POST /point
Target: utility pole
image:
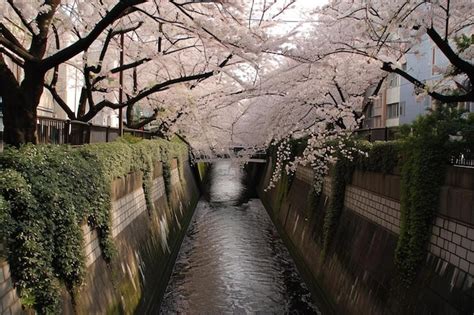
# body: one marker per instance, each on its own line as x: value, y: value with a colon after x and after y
x: 121, y: 86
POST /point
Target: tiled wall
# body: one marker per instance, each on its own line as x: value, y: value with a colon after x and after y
x: 157, y: 188
x: 377, y: 208
x: 451, y: 241
x: 127, y: 209
x: 174, y: 176
x: 304, y: 174
x: 124, y: 210
x: 91, y: 244
x: 9, y: 301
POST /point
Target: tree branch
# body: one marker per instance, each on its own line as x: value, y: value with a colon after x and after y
x: 118, y: 11
x: 13, y: 57
x: 18, y: 50
x: 20, y: 15
x: 143, y: 121
x: 145, y: 93
x: 164, y: 127
x: 454, y: 58
x: 130, y: 65
x: 56, y: 68
x: 43, y: 20
x: 110, y: 35
x: 9, y: 36
x: 221, y: 65
x: 8, y: 82
x: 339, y: 90
x: 469, y: 97
x: 60, y: 101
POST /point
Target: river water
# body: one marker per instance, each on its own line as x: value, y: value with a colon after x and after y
x: 232, y: 259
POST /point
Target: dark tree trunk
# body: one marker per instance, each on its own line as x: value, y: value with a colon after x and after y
x: 19, y: 113
x: 19, y: 118
x: 131, y: 119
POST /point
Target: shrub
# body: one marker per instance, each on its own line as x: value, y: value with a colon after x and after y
x: 48, y: 192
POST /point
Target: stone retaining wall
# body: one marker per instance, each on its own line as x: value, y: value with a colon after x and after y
x: 359, y: 273
x: 145, y: 243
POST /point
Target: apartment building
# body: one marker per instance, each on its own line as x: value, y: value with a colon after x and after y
x: 398, y: 102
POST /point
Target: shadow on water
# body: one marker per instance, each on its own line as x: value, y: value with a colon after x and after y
x: 232, y: 259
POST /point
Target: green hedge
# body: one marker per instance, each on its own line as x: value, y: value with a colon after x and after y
x: 48, y: 192
x: 382, y: 157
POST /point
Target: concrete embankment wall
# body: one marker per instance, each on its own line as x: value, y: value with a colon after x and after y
x: 358, y: 274
x: 146, y: 246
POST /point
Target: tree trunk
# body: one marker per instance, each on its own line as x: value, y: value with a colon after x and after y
x: 131, y: 119
x: 19, y: 113
x: 19, y: 119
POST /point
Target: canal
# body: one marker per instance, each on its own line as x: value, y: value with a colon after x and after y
x: 232, y: 259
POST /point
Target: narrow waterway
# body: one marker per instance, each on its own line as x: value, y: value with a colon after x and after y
x: 232, y: 259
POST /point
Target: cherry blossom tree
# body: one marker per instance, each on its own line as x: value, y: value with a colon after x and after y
x: 383, y: 31
x: 25, y: 30
x: 173, y: 42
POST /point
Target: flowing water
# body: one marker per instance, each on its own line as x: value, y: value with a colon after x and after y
x: 232, y: 259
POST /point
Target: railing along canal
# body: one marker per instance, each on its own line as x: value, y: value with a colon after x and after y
x: 57, y: 131
x: 390, y: 133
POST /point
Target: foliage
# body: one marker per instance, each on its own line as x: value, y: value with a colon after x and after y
x: 426, y: 150
x: 463, y: 42
x: 129, y: 138
x: 167, y: 177
x: 51, y: 191
x: 423, y: 153
x: 377, y: 156
x: 341, y: 176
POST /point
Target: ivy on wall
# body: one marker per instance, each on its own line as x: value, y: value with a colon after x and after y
x: 422, y: 153
x: 375, y: 157
x: 341, y: 176
x: 381, y: 157
x: 426, y: 149
x: 48, y: 192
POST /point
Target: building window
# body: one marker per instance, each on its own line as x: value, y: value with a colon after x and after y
x: 393, y: 110
x: 393, y: 80
x: 402, y: 109
x: 467, y: 106
x: 427, y: 102
x: 370, y: 111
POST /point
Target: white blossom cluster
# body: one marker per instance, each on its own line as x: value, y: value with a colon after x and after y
x: 283, y: 157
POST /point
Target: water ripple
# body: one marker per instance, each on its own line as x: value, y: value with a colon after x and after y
x: 232, y: 259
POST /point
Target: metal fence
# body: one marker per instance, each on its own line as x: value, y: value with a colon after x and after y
x: 391, y: 133
x: 57, y: 131
x: 51, y: 130
x: 377, y: 134
x: 465, y: 160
